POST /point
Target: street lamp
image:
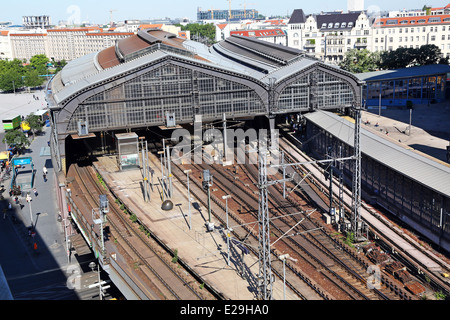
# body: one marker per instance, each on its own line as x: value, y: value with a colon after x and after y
x: 189, y: 196
x: 92, y: 265
x: 226, y: 197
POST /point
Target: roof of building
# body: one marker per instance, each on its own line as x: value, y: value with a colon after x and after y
x: 298, y: 16
x: 240, y: 55
x: 337, y: 21
x: 417, y: 167
x: 416, y: 21
x: 263, y: 33
x: 420, y: 71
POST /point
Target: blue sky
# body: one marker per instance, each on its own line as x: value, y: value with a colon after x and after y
x: 97, y: 11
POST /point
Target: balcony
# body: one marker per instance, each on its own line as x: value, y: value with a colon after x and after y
x: 310, y: 44
x: 361, y: 43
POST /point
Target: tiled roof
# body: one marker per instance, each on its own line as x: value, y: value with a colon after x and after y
x: 259, y: 33
x: 411, y: 21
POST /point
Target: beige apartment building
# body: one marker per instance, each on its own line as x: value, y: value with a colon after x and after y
x: 329, y: 36
x: 412, y: 32
x: 59, y: 44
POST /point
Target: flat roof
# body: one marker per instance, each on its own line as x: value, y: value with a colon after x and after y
x: 417, y: 167
x: 421, y: 71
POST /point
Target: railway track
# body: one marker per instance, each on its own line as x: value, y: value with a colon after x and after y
x: 307, y: 247
x: 149, y: 259
x: 293, y: 156
x: 312, y: 253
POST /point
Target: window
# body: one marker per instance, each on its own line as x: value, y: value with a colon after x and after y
x: 421, y: 21
x: 324, y: 25
x: 336, y: 25
x: 330, y: 25
x: 343, y: 24
x: 350, y: 25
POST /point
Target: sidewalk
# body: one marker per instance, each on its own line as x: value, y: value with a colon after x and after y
x: 29, y: 269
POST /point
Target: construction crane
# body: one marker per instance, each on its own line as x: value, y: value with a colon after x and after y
x: 110, y: 17
x: 245, y: 4
x: 229, y: 10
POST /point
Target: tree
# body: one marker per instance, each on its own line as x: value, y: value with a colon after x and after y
x: 428, y: 54
x: 34, y: 122
x: 408, y: 57
x: 32, y: 79
x: 358, y: 61
x: 39, y: 63
x: 202, y: 32
x: 10, y: 80
x: 17, y: 138
x: 398, y: 59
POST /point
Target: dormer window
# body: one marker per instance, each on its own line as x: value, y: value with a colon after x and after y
x: 324, y: 25
x: 343, y: 24
x: 336, y: 25
x: 350, y: 25
x: 330, y: 25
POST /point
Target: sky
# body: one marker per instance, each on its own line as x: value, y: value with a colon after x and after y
x: 98, y: 11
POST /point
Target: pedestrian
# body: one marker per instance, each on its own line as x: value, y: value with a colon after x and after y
x: 44, y: 170
x: 35, y: 192
x: 44, y: 173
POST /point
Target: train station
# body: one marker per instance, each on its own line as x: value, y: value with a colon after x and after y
x: 115, y: 114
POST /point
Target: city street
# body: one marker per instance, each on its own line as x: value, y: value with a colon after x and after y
x: 36, y: 266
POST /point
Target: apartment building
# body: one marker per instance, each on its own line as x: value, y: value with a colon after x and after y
x: 412, y: 32
x: 26, y: 45
x: 329, y: 36
x: 5, y: 45
x: 59, y: 44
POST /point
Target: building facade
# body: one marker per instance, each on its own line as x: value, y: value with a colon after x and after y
x: 329, y: 36
x: 228, y: 15
x: 412, y: 32
x: 138, y: 82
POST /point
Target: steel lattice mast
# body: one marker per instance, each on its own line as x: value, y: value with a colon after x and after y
x: 356, y: 192
x: 265, y: 270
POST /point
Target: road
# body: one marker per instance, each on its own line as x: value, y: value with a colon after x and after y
x: 37, y: 267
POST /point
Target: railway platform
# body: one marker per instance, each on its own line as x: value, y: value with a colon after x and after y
x: 399, y: 240
x: 204, y: 251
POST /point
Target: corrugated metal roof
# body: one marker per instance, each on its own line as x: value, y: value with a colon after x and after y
x: 419, y: 168
x: 421, y: 71
x: 79, y: 68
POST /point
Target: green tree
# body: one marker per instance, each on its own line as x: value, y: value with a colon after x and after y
x: 10, y: 80
x: 39, y: 63
x: 201, y: 32
x: 428, y: 54
x: 34, y: 122
x: 408, y: 57
x: 32, y: 79
x: 17, y: 138
x: 398, y: 59
x: 358, y: 61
